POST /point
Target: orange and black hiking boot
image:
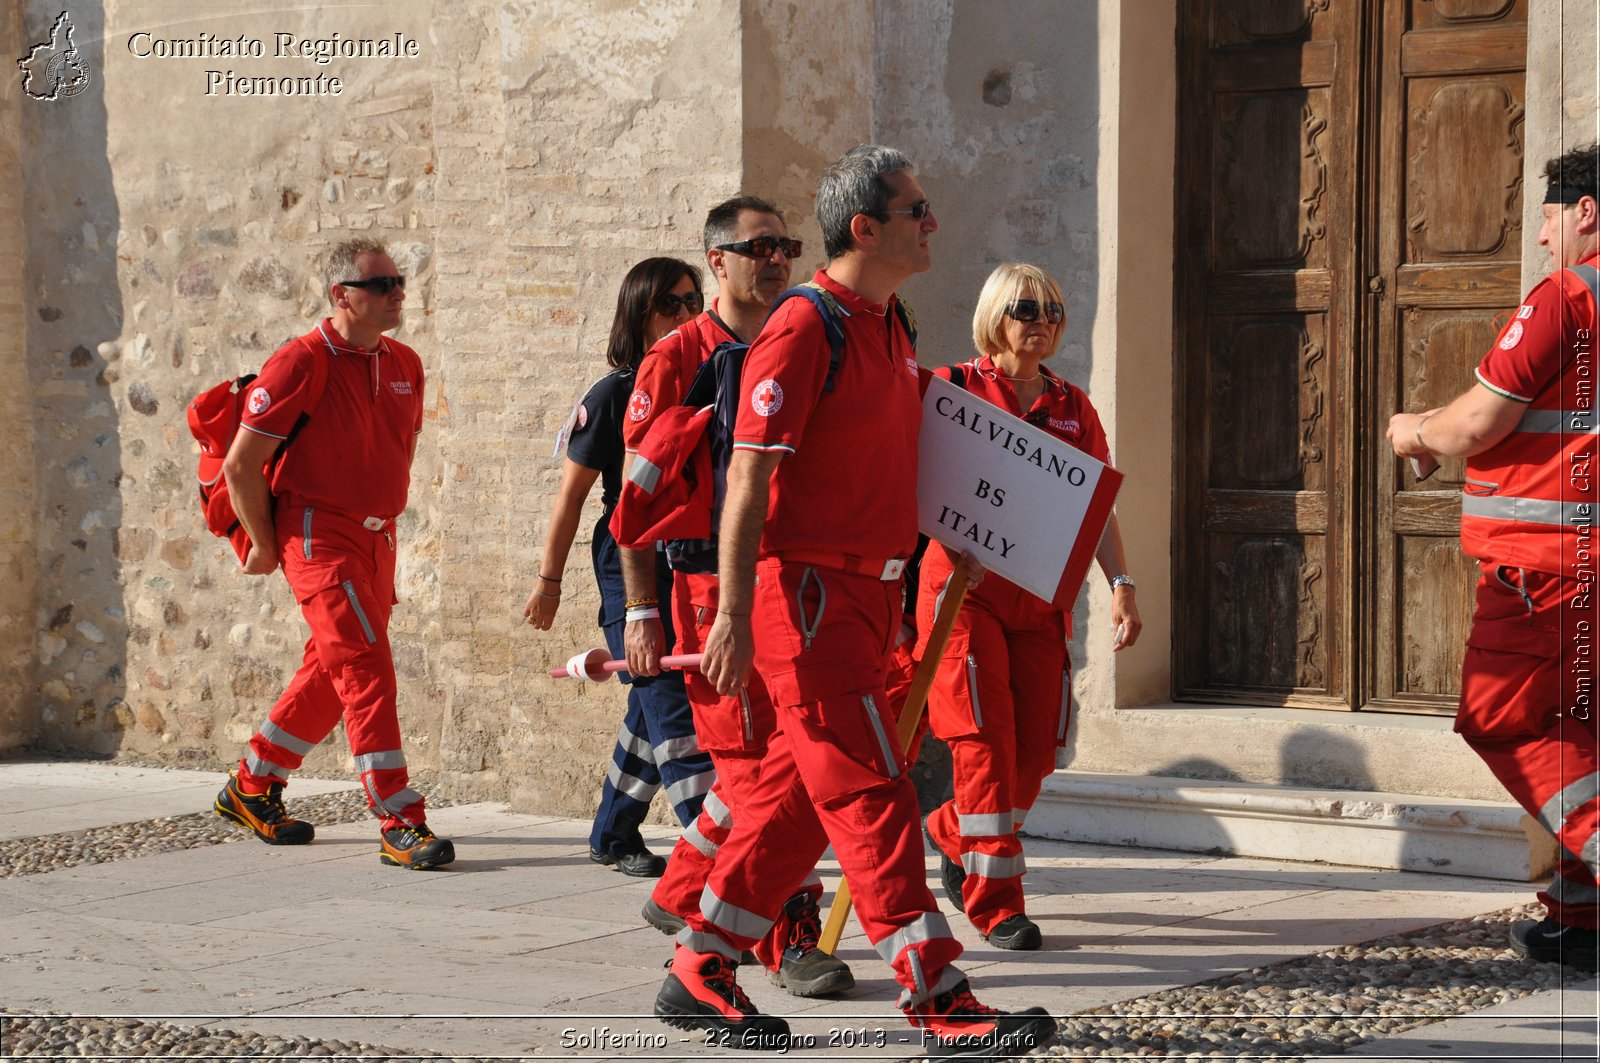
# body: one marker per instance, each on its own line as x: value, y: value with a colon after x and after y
x: 957, y: 1026
x: 262, y: 813
x: 414, y: 847
x: 700, y: 993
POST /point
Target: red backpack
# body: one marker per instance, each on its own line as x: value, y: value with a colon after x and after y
x: 214, y: 417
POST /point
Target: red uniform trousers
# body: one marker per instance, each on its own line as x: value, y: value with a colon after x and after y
x: 734, y: 731
x: 832, y: 774
x: 1001, y: 700
x: 1528, y: 709
x: 342, y: 574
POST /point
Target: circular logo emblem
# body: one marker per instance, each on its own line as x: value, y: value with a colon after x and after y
x: 1512, y: 337
x: 767, y: 398
x: 258, y: 401
x: 581, y: 415
x: 639, y: 405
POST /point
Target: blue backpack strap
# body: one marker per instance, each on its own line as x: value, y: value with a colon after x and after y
x: 832, y: 315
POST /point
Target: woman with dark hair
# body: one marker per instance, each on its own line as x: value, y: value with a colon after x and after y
x: 656, y: 744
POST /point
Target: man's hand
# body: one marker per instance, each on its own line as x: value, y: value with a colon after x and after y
x: 1402, y: 433
x: 730, y: 651
x: 261, y: 561
x: 644, y: 641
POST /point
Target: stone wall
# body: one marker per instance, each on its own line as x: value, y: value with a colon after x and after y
x: 18, y: 706
x: 517, y: 165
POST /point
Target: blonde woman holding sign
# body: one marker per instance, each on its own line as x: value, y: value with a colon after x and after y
x: 1002, y: 698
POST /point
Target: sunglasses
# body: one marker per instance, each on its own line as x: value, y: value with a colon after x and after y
x: 917, y: 210
x: 1027, y: 311
x: 667, y: 303
x: 381, y: 285
x: 763, y: 247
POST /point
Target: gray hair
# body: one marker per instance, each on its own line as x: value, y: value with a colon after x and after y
x: 342, y: 260
x: 855, y: 185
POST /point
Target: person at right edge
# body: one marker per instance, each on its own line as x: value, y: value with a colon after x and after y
x: 813, y: 544
x: 1528, y: 511
x: 1002, y: 697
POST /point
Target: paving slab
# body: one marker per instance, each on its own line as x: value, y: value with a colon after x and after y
x: 1560, y: 1024
x: 523, y: 947
x: 53, y: 797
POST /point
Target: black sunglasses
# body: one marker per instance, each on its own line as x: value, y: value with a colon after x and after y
x: 381, y: 285
x: 1027, y: 310
x: 917, y: 210
x: 667, y: 303
x: 763, y: 247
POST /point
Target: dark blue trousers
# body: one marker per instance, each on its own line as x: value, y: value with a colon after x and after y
x: 656, y: 745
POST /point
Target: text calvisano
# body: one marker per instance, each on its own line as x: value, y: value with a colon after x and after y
x: 320, y: 51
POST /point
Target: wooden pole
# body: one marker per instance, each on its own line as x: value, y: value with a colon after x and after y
x: 910, y: 716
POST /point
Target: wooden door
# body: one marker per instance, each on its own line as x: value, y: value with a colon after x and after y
x: 1334, y: 266
x: 1446, y: 266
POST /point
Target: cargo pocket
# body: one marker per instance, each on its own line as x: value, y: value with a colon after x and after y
x: 1510, y: 680
x: 955, y: 703
x: 847, y: 747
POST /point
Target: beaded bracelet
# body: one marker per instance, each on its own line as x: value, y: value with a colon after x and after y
x: 631, y: 602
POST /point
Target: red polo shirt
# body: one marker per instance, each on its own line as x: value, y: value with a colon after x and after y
x: 668, y: 369
x: 1063, y: 409
x: 848, y: 481
x: 354, y: 454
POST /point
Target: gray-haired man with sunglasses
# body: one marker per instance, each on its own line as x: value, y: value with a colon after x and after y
x: 749, y: 250
x: 821, y: 501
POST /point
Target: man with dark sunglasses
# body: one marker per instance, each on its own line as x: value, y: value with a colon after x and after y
x: 829, y: 532
x: 352, y: 398
x: 748, y: 250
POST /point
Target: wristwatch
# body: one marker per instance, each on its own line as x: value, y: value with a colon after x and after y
x: 1122, y: 581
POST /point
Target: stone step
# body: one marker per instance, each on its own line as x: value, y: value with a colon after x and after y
x: 1408, y: 832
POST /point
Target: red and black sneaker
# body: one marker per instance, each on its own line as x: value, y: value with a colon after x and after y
x: 805, y: 970
x: 957, y: 1026
x: 263, y: 814
x: 700, y: 993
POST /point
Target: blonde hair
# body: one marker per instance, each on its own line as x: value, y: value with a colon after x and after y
x: 1006, y: 283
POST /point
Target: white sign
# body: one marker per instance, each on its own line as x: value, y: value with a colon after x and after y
x: 1026, y: 505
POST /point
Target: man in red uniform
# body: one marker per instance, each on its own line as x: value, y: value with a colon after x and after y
x: 328, y: 517
x: 749, y: 251
x: 813, y: 543
x: 1528, y: 513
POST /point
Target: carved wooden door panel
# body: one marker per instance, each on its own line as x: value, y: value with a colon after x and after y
x: 1349, y: 196
x: 1266, y: 261
x: 1448, y: 258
